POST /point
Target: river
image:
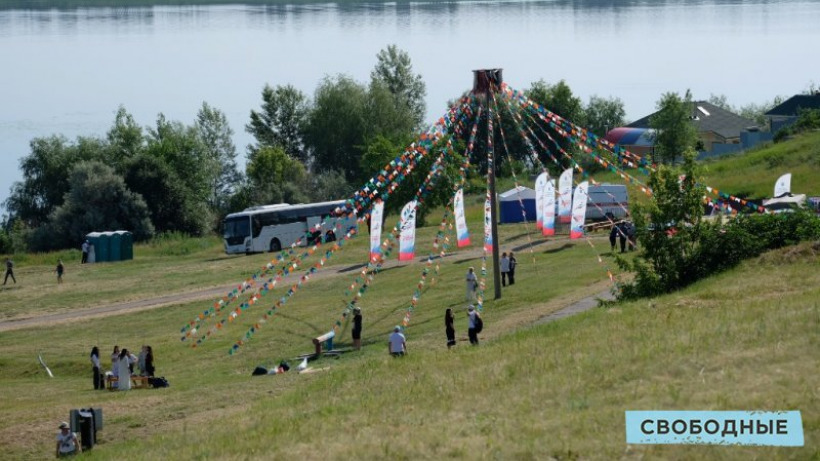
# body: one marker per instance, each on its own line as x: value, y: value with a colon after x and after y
x: 67, y: 71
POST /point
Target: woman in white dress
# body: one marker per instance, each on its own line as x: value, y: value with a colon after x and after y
x: 124, y: 375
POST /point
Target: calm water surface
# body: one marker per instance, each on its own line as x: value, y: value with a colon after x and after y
x: 67, y: 71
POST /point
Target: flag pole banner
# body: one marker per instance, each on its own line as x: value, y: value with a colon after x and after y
x: 540, y: 183
x: 376, y: 230
x: 461, y: 222
x: 579, y: 210
x: 548, y: 227
x: 488, y: 229
x: 407, y: 243
x: 565, y: 196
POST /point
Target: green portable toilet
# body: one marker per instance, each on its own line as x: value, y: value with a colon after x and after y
x: 99, y: 240
x: 114, y: 246
x: 126, y: 246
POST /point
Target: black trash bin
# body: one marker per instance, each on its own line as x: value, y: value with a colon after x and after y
x: 86, y: 422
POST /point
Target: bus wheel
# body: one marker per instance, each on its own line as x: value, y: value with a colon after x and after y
x: 275, y: 245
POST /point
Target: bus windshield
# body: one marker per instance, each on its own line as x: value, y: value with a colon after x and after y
x: 236, y: 229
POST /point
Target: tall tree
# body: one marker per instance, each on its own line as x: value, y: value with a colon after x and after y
x: 216, y: 136
x: 125, y: 138
x: 275, y: 177
x: 97, y: 200
x: 182, y: 149
x: 394, y: 70
x: 559, y: 99
x: 281, y: 121
x: 336, y: 126
x: 604, y: 114
x: 675, y: 130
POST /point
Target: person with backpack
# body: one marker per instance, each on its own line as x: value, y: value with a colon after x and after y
x: 513, y: 263
x: 474, y: 325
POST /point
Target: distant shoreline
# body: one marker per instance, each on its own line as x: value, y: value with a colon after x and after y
x: 68, y: 4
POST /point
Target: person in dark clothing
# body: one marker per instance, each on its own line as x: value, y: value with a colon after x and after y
x: 449, y: 328
x: 149, y: 361
x: 513, y: 263
x: 9, y: 271
x: 85, y: 252
x: 622, y: 235
x: 60, y: 271
x: 613, y: 236
x: 357, y: 328
x: 98, y: 377
x: 630, y: 235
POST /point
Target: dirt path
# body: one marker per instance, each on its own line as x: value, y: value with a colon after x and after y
x: 577, y: 307
x: 216, y: 292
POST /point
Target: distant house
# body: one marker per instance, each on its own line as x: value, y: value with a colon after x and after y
x: 720, y: 132
x: 786, y: 113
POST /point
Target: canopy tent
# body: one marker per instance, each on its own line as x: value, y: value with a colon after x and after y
x: 626, y: 136
x: 511, y: 209
x: 786, y: 203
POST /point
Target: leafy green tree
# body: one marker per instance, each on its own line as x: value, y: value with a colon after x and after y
x: 97, y: 200
x: 394, y: 70
x: 676, y: 132
x: 559, y: 99
x: 181, y: 148
x: 275, y: 177
x: 125, y: 139
x: 216, y: 135
x: 604, y: 114
x: 281, y: 121
x: 45, y: 179
x: 336, y: 126
x: 669, y: 229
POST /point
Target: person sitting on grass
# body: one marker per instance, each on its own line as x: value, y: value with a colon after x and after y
x: 67, y: 443
x: 397, y: 345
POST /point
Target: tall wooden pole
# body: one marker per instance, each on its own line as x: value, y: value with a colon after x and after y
x: 484, y: 82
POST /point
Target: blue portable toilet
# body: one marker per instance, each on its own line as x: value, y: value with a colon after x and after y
x: 114, y: 246
x: 126, y: 245
x: 100, y: 242
x: 510, y: 206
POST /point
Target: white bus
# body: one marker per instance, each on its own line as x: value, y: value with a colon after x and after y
x: 273, y: 227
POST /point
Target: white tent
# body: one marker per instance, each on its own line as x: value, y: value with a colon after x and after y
x: 512, y: 195
x: 781, y: 204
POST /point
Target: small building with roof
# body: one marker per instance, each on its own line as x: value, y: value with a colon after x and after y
x: 786, y: 113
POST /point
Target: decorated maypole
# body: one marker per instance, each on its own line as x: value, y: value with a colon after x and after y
x: 485, y: 81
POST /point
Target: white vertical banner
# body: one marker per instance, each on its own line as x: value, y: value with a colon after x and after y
x: 540, y: 183
x: 565, y: 196
x: 579, y: 210
x: 462, y: 234
x: 783, y: 185
x: 376, y: 215
x: 407, y: 242
x: 548, y: 227
x: 488, y: 227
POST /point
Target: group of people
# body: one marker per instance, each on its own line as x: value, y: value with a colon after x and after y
x: 507, y: 268
x: 122, y: 364
x: 474, y: 326
x: 626, y: 231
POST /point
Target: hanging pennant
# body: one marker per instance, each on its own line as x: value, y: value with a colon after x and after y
x: 579, y: 210
x: 408, y: 232
x: 488, y: 228
x: 461, y: 222
x: 565, y: 196
x: 376, y: 230
x: 540, y: 183
x: 548, y: 201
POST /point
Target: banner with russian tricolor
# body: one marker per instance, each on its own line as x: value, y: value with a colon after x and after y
x: 540, y: 184
x: 565, y: 196
x: 376, y: 215
x: 461, y: 222
x: 579, y: 210
x: 407, y: 242
x: 548, y: 201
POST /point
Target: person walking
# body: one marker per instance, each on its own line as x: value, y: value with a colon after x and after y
x: 505, y: 268
x: 471, y: 325
x: 397, y: 344
x: 449, y: 328
x: 357, y: 328
x: 85, y: 252
x: 513, y: 263
x: 9, y: 271
x: 472, y: 284
x: 99, y: 384
x: 60, y: 269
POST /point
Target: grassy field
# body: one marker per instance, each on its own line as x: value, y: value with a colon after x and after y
x: 743, y: 340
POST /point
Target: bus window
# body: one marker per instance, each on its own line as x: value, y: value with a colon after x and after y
x: 257, y: 226
x: 235, y: 230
